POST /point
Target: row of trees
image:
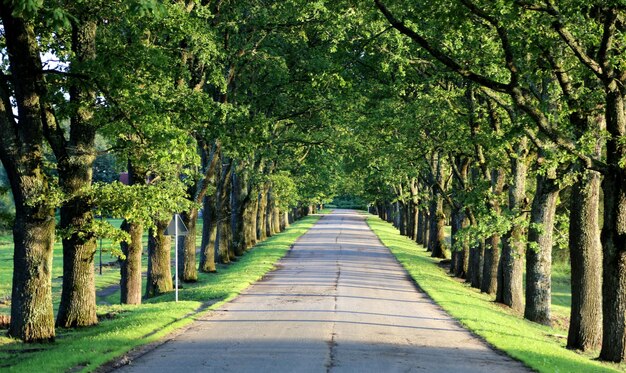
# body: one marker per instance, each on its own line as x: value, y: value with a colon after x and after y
x: 491, y: 117
x: 207, y: 105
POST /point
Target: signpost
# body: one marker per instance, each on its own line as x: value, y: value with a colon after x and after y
x: 176, y: 228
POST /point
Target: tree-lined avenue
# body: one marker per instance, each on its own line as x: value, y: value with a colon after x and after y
x: 339, y: 301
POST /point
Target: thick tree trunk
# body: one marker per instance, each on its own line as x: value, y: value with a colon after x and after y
x: 276, y: 224
x: 426, y: 233
x: 223, y: 237
x: 130, y: 267
x: 456, y: 220
x: 614, y: 231
x: 492, y: 250
x: 22, y: 154
x: 476, y: 261
x: 585, y: 330
x: 209, y: 235
x: 420, y: 226
x: 269, y: 231
x: 159, y: 260
x: 539, y: 251
x: 78, y: 297
x: 414, y: 218
x: 511, y: 268
x: 463, y: 266
x: 32, y: 319
x: 238, y: 211
x: 261, y: 214
x: 250, y: 222
x: 438, y: 235
x: 490, y: 265
x: 187, y: 269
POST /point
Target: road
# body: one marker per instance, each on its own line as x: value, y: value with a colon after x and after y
x: 339, y: 302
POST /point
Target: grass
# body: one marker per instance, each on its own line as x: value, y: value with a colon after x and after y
x: 124, y: 327
x: 539, y: 347
x: 110, y: 273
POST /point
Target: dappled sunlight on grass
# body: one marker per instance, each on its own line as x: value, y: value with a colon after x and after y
x: 541, y: 348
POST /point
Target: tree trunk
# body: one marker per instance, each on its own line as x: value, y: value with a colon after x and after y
x: 461, y: 258
x: 614, y: 231
x: 437, y: 233
x: 476, y: 261
x: 250, y: 221
x: 490, y: 266
x: 539, y: 251
x: 187, y: 247
x: 261, y: 214
x: 238, y: 211
x: 130, y: 267
x: 32, y: 319
x: 511, y: 268
x: 223, y: 237
x: 420, y: 226
x: 268, y: 213
x: 22, y: 154
x: 159, y: 260
x: 492, y: 251
x: 426, y: 233
x: 78, y: 297
x: 585, y: 330
x: 209, y: 235
x: 276, y: 220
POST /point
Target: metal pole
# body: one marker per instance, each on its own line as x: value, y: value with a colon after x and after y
x: 176, y: 246
x: 101, y: 218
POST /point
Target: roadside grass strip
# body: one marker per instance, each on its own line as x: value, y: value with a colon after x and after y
x: 539, y: 347
x: 124, y: 327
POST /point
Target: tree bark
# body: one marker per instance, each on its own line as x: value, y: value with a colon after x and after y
x: 614, y: 231
x: 75, y: 167
x: 130, y: 267
x: 209, y: 235
x: 511, y: 268
x: 539, y: 251
x: 492, y: 250
x: 22, y: 154
x: 261, y: 214
x: 187, y: 247
x: 250, y: 221
x: 223, y: 236
x: 159, y: 260
x: 32, y: 319
x: 585, y: 330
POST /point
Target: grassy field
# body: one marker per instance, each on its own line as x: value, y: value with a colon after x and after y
x: 124, y: 327
x: 110, y: 270
x: 539, y: 347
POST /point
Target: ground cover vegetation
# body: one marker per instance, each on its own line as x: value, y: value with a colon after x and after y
x: 503, y: 120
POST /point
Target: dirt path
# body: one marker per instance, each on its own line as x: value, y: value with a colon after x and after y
x: 340, y: 302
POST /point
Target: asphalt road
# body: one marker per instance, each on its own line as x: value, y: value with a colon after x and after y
x: 339, y: 302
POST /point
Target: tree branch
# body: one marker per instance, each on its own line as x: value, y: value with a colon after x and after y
x: 440, y: 55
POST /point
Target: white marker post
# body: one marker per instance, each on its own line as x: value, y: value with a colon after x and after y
x: 173, y: 229
x: 176, y: 248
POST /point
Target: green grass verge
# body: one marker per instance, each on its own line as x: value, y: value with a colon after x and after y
x: 540, y: 348
x: 125, y: 327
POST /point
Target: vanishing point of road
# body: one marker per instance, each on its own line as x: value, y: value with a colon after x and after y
x: 338, y: 302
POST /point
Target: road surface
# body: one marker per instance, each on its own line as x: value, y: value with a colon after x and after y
x: 339, y: 302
